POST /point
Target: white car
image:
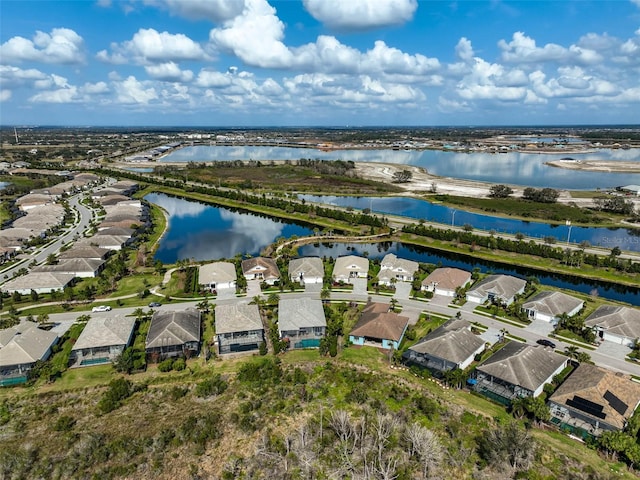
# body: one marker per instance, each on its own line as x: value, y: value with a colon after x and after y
x: 101, y: 308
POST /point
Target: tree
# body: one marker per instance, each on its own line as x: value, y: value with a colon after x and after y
x: 52, y: 259
x: 402, y: 176
x: 571, y: 351
x: 509, y: 444
x: 325, y: 294
x: 616, y: 252
x: 500, y: 191
x: 43, y: 318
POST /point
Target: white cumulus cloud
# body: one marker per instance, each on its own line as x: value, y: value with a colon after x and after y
x: 61, y: 46
x: 149, y: 46
x: 133, y: 91
x: 169, y: 72
x: 361, y: 14
x: 5, y: 95
x: 214, y: 10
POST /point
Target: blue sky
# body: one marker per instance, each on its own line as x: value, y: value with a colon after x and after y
x: 319, y: 62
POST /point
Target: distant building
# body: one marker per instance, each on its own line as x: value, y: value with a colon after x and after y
x: 39, y: 282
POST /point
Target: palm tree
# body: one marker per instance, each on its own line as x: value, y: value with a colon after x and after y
x: 139, y: 313
x: 325, y: 294
x: 273, y: 299
x: 571, y: 351
x: 393, y: 303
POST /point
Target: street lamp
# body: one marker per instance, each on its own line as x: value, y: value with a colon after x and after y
x: 568, y: 224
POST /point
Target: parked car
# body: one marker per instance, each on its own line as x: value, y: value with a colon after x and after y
x: 546, y: 343
x: 101, y: 308
x: 155, y: 304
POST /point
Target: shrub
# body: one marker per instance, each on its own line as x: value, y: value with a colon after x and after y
x: 64, y: 424
x: 179, y: 364
x: 213, y: 386
x: 119, y: 390
x: 166, y: 365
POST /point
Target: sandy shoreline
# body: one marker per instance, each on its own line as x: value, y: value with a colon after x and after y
x: 597, y: 165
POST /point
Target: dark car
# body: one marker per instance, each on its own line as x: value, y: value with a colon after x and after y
x: 154, y: 305
x: 546, y: 343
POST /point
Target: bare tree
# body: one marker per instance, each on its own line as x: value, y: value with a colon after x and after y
x: 425, y: 445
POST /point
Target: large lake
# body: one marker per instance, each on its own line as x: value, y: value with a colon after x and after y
x: 205, y: 232
x: 512, y: 167
x: 626, y: 239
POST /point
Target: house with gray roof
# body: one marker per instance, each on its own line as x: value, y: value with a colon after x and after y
x: 40, y: 282
x: 102, y: 340
x: 217, y: 276
x: 446, y: 281
x: 238, y: 328
x: 22, y: 346
x: 350, y: 266
x: 496, y: 288
x: 548, y: 306
x: 379, y: 327
x: 261, y: 268
x: 394, y: 269
x: 173, y: 334
x: 306, y: 270
x: 85, y: 251
x: 78, y: 267
x: 110, y: 242
x: 518, y: 370
x: 450, y: 346
x: 594, y: 400
x: 616, y: 324
x: 301, y: 321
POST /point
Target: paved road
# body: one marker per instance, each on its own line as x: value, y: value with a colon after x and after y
x: 609, y: 358
x: 84, y: 215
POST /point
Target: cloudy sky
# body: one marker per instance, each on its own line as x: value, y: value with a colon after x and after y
x: 319, y: 62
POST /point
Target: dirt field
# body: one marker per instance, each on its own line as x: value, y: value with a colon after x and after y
x: 597, y: 165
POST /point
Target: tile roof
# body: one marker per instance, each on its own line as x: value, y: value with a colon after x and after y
x: 296, y: 313
x: 592, y: 383
x: 173, y: 328
x: 27, y: 346
x: 616, y: 320
x: 376, y: 321
x: 503, y: 286
x: 105, y: 331
x: 269, y: 268
x: 238, y: 317
x: 552, y: 303
x: 217, y: 272
x: 309, y: 266
x: 447, y: 278
x: 525, y: 365
x: 452, y: 341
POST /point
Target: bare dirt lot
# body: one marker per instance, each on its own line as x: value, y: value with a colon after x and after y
x: 597, y: 165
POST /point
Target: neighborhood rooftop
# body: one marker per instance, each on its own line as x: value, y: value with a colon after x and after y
x: 452, y: 341
x: 237, y: 318
x: 552, y: 303
x: 296, y: 313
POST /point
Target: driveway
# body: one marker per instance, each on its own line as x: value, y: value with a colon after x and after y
x: 359, y: 286
x: 313, y: 287
x: 226, y: 293
x: 403, y: 290
x: 613, y: 350
x: 540, y: 327
x: 253, y: 288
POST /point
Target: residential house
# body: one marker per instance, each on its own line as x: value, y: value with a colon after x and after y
x: 616, y: 324
x: 40, y: 282
x: 446, y: 281
x: 238, y: 328
x: 349, y: 267
x: 301, y: 321
x: 85, y: 251
x: 518, y: 370
x: 306, y: 270
x: 496, y: 288
x: 217, y: 276
x: 20, y: 348
x: 379, y: 326
x: 394, y: 269
x: 261, y: 268
x: 173, y: 334
x: 102, y: 340
x: 594, y: 400
x: 548, y: 306
x: 78, y: 267
x: 450, y: 346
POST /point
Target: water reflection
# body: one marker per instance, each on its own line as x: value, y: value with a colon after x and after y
x: 204, y: 232
x: 512, y: 167
x: 625, y: 238
x: 418, y: 254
